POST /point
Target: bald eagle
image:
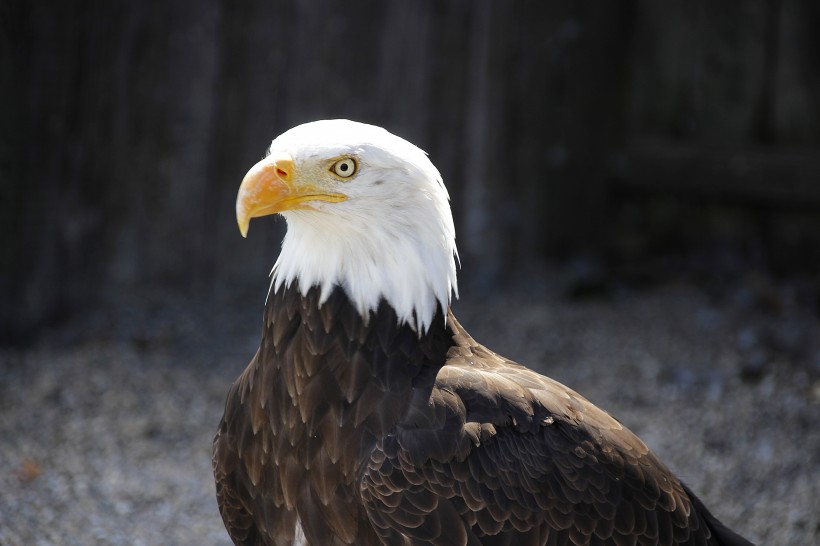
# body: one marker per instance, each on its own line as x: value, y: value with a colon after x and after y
x: 370, y: 416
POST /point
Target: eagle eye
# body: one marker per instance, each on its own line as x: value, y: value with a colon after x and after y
x: 344, y: 168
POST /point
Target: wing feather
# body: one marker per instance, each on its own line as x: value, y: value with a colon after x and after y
x: 521, y: 458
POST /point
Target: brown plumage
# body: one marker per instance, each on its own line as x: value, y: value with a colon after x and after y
x: 369, y: 416
x: 369, y: 434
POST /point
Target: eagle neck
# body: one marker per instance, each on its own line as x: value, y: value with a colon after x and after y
x: 372, y: 260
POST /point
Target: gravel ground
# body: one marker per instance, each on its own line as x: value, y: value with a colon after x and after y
x: 106, y: 424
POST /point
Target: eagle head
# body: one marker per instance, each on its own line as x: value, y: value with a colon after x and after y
x: 366, y: 210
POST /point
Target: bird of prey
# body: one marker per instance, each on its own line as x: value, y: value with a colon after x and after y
x: 369, y: 416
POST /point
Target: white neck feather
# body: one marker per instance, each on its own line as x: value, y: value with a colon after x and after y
x: 413, y: 274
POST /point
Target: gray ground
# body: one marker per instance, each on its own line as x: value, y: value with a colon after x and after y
x: 106, y: 425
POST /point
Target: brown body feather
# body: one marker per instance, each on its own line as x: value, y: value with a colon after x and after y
x: 368, y: 434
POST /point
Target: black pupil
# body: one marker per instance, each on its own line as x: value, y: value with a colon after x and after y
x: 343, y: 167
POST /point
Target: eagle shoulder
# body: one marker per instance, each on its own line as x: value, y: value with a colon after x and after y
x: 499, y: 450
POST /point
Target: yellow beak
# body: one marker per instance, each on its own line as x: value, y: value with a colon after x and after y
x: 272, y: 186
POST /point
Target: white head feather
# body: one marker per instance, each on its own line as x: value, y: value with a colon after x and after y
x: 393, y: 237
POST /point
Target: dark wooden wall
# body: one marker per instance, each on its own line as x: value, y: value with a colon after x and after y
x: 127, y: 126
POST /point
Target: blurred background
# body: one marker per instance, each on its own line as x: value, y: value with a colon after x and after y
x: 681, y: 136
x: 596, y: 153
